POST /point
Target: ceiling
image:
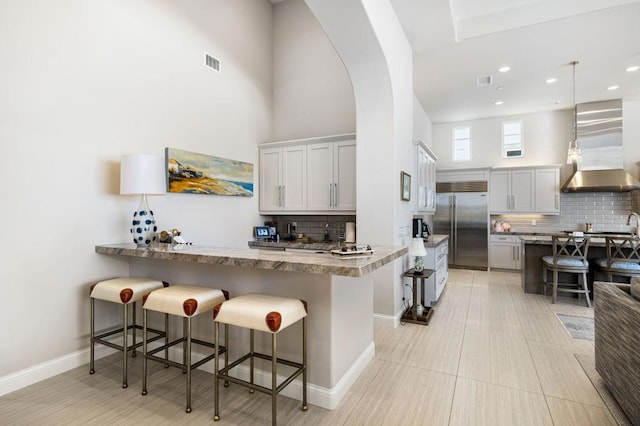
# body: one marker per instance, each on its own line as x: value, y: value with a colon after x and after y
x: 457, y: 41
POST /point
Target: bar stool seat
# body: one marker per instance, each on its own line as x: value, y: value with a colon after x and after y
x: 124, y: 291
x: 186, y: 301
x: 269, y: 314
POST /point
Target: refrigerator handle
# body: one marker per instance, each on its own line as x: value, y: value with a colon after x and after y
x: 454, y: 227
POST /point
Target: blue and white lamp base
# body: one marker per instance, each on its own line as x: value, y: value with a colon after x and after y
x: 143, y: 226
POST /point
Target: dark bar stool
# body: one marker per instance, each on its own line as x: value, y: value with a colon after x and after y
x: 123, y: 291
x: 271, y: 315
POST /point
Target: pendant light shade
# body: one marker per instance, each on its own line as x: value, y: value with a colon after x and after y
x: 574, y: 154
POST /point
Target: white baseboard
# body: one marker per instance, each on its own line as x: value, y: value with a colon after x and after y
x: 316, y: 395
x: 47, y: 369
x: 388, y: 320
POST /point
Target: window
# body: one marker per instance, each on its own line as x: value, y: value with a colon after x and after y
x: 462, y: 144
x: 512, y: 143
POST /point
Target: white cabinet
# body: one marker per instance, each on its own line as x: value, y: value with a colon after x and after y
x: 525, y: 190
x: 547, y: 195
x: 436, y: 259
x: 331, y: 176
x: 426, y: 180
x: 512, y: 191
x: 308, y: 175
x: 283, y: 178
x: 505, y: 252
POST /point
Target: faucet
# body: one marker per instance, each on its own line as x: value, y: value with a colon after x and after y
x: 637, y: 233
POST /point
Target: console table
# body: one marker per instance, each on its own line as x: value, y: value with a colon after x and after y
x: 411, y: 314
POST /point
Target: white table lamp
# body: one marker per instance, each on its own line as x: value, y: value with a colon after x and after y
x: 417, y: 250
x: 145, y: 175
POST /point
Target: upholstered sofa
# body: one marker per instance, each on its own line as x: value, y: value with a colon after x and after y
x: 617, y: 342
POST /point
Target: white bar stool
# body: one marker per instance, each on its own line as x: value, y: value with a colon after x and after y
x: 186, y: 301
x: 268, y: 314
x: 124, y: 291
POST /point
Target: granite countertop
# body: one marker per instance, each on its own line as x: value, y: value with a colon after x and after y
x: 432, y: 241
x: 435, y: 240
x: 312, y: 263
x: 596, y: 240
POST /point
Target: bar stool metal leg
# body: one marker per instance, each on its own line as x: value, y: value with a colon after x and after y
x: 216, y: 369
x: 144, y: 351
x: 188, y: 362
x: 305, y: 407
x: 133, y: 350
x: 125, y: 324
x: 274, y: 378
x: 251, y: 362
x: 93, y: 334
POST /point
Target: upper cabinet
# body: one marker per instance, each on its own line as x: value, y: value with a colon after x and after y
x: 547, y: 193
x: 331, y: 176
x: 426, y: 182
x: 511, y: 191
x: 283, y: 178
x: 525, y: 190
x: 308, y: 176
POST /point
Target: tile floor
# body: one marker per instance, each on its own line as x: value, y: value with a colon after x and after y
x: 491, y: 355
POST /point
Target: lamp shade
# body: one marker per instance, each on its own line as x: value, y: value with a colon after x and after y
x: 417, y: 248
x: 142, y: 174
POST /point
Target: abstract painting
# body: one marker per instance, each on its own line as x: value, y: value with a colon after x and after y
x: 194, y: 173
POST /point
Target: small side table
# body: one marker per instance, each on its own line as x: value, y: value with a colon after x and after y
x: 411, y: 314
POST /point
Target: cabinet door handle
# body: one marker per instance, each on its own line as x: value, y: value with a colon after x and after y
x: 508, y: 202
x: 330, y: 196
x: 279, y: 195
x: 335, y: 195
x: 513, y: 202
x: 284, y: 197
x: 557, y: 201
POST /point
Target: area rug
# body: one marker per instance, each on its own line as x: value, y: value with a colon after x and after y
x: 588, y: 364
x: 578, y: 327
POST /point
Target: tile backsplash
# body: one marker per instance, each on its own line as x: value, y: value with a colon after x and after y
x: 607, y: 211
x: 314, y: 226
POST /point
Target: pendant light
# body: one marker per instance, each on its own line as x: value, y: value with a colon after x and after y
x: 574, y: 155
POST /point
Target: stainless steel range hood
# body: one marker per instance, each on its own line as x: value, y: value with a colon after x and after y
x: 600, y: 137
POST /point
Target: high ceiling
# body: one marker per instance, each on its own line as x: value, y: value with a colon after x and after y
x: 457, y: 41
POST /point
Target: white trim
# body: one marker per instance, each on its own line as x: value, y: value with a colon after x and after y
x: 47, y: 369
x: 317, y: 395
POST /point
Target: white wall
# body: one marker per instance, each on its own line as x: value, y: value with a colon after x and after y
x: 83, y: 83
x: 312, y: 92
x: 422, y: 127
x: 546, y: 138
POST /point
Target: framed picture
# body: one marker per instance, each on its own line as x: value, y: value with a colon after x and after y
x: 405, y: 186
x: 195, y: 173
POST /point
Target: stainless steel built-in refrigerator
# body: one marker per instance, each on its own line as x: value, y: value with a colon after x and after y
x: 462, y: 213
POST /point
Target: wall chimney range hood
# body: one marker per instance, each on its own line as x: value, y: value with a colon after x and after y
x: 600, y: 136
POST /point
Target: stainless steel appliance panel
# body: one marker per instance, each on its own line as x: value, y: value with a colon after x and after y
x: 464, y: 217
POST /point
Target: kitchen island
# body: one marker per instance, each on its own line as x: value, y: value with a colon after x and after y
x: 338, y: 289
x: 534, y: 247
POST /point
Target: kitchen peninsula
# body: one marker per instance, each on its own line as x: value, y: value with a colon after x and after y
x: 534, y: 247
x: 339, y: 292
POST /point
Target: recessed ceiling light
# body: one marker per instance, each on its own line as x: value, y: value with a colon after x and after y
x: 498, y: 102
x: 613, y: 87
x: 551, y: 80
x: 557, y: 101
x: 499, y: 88
x: 504, y: 69
x: 633, y: 68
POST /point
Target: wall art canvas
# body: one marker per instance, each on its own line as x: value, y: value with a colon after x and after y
x: 194, y: 173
